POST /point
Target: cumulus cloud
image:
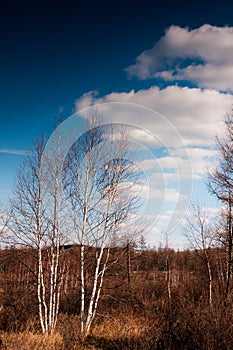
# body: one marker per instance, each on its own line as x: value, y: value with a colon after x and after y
x: 185, y: 120
x: 203, y: 56
x: 184, y: 129
x: 196, y: 114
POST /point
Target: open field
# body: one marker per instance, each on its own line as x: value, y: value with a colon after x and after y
x: 153, y: 308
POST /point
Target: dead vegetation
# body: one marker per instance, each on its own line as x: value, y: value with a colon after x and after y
x: 132, y: 315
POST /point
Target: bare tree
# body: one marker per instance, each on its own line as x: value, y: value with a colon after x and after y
x: 101, y: 183
x: 35, y: 221
x: 4, y: 218
x: 201, y: 237
x: 225, y: 239
x: 221, y: 185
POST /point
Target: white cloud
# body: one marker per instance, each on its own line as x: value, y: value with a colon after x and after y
x: 156, y: 193
x: 201, y: 160
x: 188, y: 121
x: 87, y: 99
x: 197, y: 115
x: 203, y: 56
x: 176, y: 119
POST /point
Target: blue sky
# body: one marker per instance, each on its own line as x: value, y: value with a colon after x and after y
x: 57, y: 55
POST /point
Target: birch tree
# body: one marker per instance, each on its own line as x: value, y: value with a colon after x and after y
x: 101, y: 184
x: 35, y: 221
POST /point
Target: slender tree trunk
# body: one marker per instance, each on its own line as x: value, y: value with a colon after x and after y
x: 93, y: 294
x: 168, y: 272
x: 229, y: 251
x: 128, y: 262
x: 209, y: 276
x: 43, y: 310
x: 82, y: 287
x: 39, y: 291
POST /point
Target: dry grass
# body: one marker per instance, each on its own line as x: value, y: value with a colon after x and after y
x: 31, y: 341
x: 122, y: 326
x: 105, y: 335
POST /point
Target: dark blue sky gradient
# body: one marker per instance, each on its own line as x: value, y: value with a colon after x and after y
x: 53, y: 52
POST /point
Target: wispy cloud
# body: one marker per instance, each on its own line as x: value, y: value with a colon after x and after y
x: 14, y: 151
